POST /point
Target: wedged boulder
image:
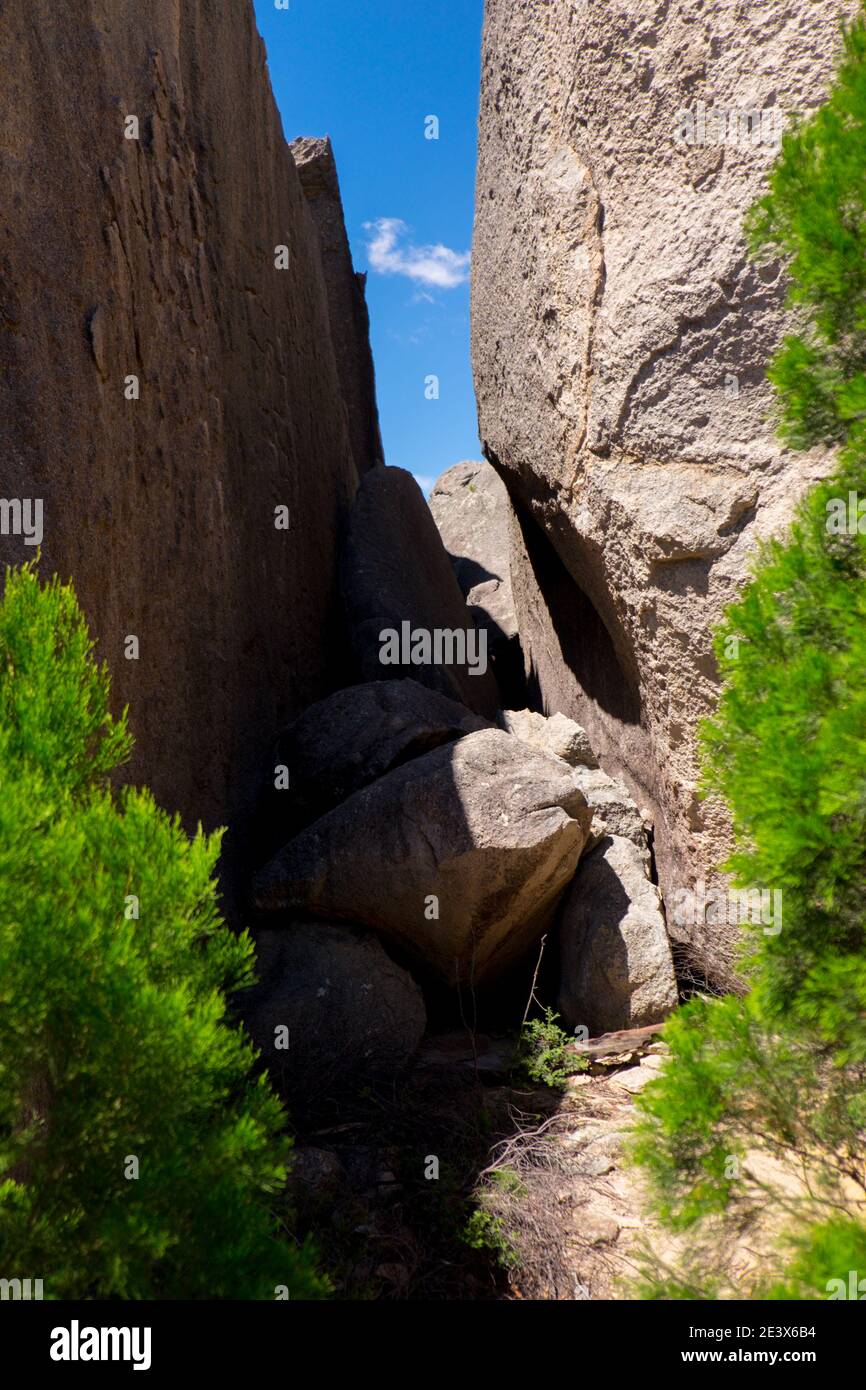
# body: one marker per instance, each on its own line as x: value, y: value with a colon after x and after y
x: 344, y: 742
x: 471, y: 509
x: 613, y: 810
x: 407, y: 616
x: 459, y: 857
x: 553, y: 734
x: 350, y: 1012
x: 615, y: 956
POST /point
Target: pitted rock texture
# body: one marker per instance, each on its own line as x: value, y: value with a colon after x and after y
x: 620, y: 338
x: 155, y: 257
x: 350, y: 321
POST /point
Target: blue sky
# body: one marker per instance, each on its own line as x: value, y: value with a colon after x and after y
x: 368, y: 73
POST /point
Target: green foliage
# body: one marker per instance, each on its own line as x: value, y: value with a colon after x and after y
x: 822, y: 1258
x: 787, y: 750
x: 814, y: 214
x: 486, y: 1232
x: 114, y: 1039
x: 545, y: 1053
x: 775, y: 1084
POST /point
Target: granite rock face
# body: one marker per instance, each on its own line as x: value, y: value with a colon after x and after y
x: 157, y: 258
x: 350, y: 322
x: 620, y: 338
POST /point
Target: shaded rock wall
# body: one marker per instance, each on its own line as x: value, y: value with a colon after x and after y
x: 155, y: 257
x: 620, y: 337
x: 396, y: 575
x: 347, y: 304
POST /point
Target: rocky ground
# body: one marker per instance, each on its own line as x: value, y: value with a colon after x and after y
x: 532, y: 1197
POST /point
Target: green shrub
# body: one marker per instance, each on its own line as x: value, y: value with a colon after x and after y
x: 115, y: 1045
x: 487, y: 1232
x: 782, y: 1073
x: 545, y: 1053
x: 813, y: 216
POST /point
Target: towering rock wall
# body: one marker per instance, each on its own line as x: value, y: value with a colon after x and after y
x: 155, y: 258
x: 620, y: 338
x: 350, y: 322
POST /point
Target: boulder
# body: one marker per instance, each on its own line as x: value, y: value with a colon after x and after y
x: 555, y: 734
x: 613, y: 811
x: 406, y: 614
x: 345, y: 742
x: 459, y: 857
x: 351, y: 1013
x: 471, y: 509
x: 615, y: 957
x: 620, y: 336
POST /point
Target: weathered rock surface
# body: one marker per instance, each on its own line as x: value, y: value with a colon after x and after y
x: 395, y: 574
x: 620, y: 337
x: 471, y: 509
x: 458, y: 857
x: 616, y: 966
x: 154, y: 258
x: 557, y: 736
x: 350, y: 1011
x: 613, y: 810
x: 344, y: 742
x: 347, y: 304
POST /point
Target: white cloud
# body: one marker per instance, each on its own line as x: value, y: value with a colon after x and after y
x: 390, y: 254
x: 425, y: 481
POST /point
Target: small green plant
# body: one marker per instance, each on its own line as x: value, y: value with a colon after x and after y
x: 139, y: 1156
x: 484, y: 1231
x: 507, y: 1180
x: 545, y: 1053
